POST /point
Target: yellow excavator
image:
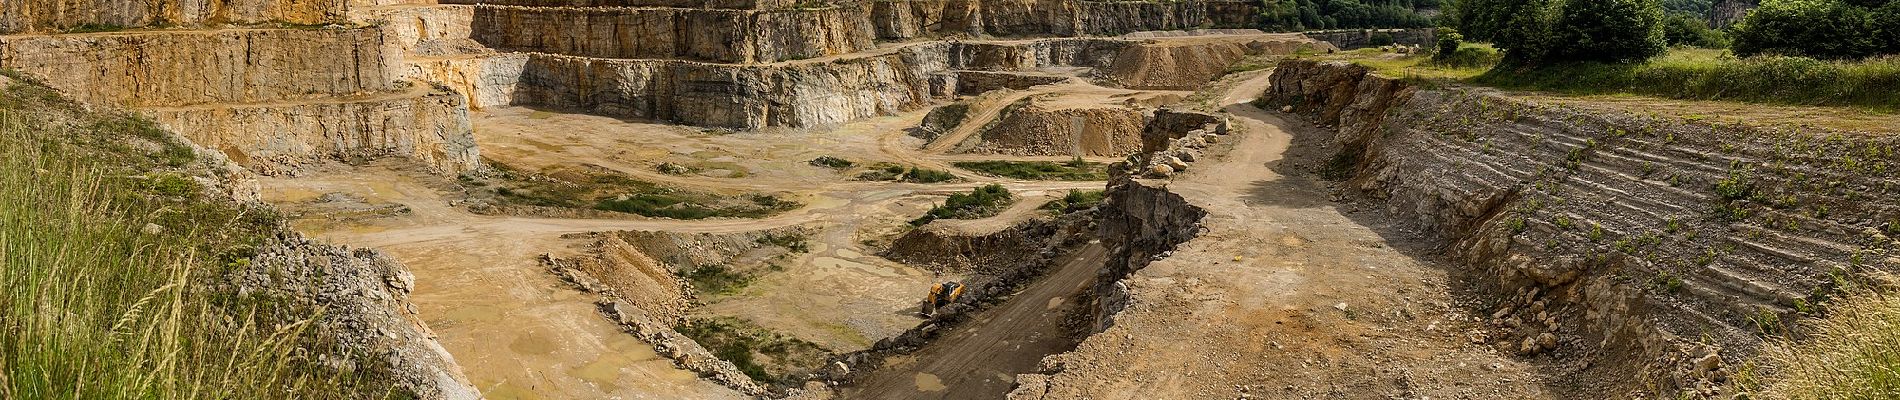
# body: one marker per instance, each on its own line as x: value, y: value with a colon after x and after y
x: 941, y: 295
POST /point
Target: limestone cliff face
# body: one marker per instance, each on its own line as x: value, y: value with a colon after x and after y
x: 24, y: 16
x: 184, y: 68
x: 728, y: 36
x: 1727, y: 12
x: 798, y: 94
x: 1660, y: 237
x: 906, y: 19
x: 712, y: 4
x: 427, y: 125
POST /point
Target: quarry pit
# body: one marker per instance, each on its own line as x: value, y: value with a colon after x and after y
x: 736, y: 199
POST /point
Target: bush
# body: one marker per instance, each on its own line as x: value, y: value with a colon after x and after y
x: 1826, y: 29
x: 1379, y: 39
x: 1701, y: 75
x: 832, y: 162
x: 984, y: 202
x: 1607, y: 31
x: 1448, y: 42
x: 1690, y: 30
x: 1076, y: 200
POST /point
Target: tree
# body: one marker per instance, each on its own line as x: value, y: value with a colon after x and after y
x: 1813, y: 28
x: 1608, y: 31
x: 1680, y: 29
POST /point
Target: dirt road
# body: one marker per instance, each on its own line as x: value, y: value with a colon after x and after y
x: 1285, y: 295
x: 980, y: 359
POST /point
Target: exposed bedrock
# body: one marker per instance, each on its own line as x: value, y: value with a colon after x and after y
x: 712, y: 4
x: 174, y: 68
x: 1141, y: 222
x: 21, y: 16
x: 1362, y: 38
x: 943, y: 248
x: 429, y: 125
x: 728, y: 36
x: 1669, y: 239
x: 741, y: 96
x: 909, y: 19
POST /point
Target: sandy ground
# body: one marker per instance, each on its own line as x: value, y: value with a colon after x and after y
x: 1286, y: 296
x: 520, y: 333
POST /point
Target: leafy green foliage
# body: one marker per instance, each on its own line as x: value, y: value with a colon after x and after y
x: 1297, y: 15
x: 1707, y: 75
x: 983, y: 202
x: 1691, y: 30
x: 1826, y: 29
x: 894, y: 172
x: 1536, y: 32
x: 832, y: 162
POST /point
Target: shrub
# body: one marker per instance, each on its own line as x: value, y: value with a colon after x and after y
x: 1690, y: 30
x: 1379, y: 39
x: 1828, y: 29
x: 1448, y: 42
x: 832, y: 162
x: 922, y: 175
x: 983, y: 202
x: 1076, y: 170
x: 1607, y: 31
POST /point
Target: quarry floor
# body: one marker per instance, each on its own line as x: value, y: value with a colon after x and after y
x: 1288, y: 294
x: 520, y: 332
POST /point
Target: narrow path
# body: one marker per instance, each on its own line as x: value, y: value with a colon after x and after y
x: 980, y: 359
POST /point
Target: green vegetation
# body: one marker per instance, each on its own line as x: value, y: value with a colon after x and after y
x: 983, y: 202
x: 717, y: 279
x: 1538, y: 32
x: 1827, y: 29
x: 1076, y: 200
x: 832, y: 162
x: 1074, y: 170
x: 767, y: 357
x: 795, y: 242
x: 1298, y: 15
x: 1693, y: 31
x: 894, y: 172
x: 604, y: 190
x: 96, y: 305
x: 1709, y: 75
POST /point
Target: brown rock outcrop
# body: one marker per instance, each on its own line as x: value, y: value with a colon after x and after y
x: 165, y: 68
x: 429, y: 125
x: 21, y: 16
x: 728, y: 36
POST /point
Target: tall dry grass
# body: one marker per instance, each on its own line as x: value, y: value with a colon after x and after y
x: 92, y: 306
x: 1852, y: 353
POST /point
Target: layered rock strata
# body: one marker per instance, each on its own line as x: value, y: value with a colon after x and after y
x: 713, y: 35
x: 60, y: 16
x: 1681, y: 242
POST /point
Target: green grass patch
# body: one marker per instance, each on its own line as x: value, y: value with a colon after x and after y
x: 984, y: 202
x: 1076, y: 200
x: 719, y: 279
x: 605, y: 190
x: 767, y: 357
x: 95, y: 305
x: 1702, y: 74
x: 1075, y: 170
x: 894, y: 172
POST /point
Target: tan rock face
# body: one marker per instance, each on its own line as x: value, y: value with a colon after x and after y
x: 185, y: 68
x: 428, y: 125
x: 905, y: 19
x: 716, y: 4
x: 728, y: 36
x: 22, y: 16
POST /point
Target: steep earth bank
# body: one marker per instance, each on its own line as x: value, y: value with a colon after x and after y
x: 1658, y: 251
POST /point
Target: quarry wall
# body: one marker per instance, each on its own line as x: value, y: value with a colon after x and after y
x: 1679, y: 242
x: 713, y: 35
x: 60, y: 16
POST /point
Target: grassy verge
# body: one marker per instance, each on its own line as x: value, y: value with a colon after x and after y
x: 1701, y: 74
x: 112, y: 270
x: 1682, y: 73
x: 604, y: 190
x: 1076, y: 170
x: 983, y: 202
x: 766, y: 356
x: 1853, y: 353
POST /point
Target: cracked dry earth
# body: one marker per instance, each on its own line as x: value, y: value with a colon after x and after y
x: 1287, y: 294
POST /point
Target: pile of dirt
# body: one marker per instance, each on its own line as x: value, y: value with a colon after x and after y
x: 1185, y: 65
x: 1042, y: 126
